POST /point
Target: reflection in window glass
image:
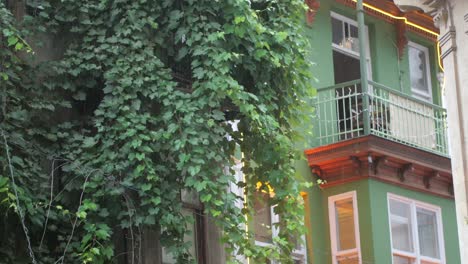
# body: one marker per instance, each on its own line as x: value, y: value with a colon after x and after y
x: 416, y: 237
x: 427, y: 230
x: 345, y: 35
x: 401, y: 260
x: 337, y: 31
x: 262, y: 217
x: 345, y: 224
x: 344, y: 228
x: 401, y: 225
x: 419, y: 72
x: 348, y: 259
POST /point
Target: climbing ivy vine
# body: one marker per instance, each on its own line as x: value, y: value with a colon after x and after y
x: 119, y: 105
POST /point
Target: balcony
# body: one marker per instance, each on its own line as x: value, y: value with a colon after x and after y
x: 344, y: 112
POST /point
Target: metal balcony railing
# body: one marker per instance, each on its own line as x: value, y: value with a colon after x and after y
x: 340, y: 115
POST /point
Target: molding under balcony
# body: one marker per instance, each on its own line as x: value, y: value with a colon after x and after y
x: 383, y: 160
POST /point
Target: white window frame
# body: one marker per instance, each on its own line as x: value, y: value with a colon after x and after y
x: 301, y: 253
x: 333, y: 231
x: 427, y: 97
x: 298, y: 254
x: 349, y: 52
x: 274, y: 231
x: 414, y: 204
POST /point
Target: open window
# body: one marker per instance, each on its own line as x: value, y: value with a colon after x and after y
x: 344, y: 228
x: 346, y: 67
x: 264, y: 220
x: 416, y: 232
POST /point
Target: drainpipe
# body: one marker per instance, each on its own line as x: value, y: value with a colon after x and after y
x: 363, y: 65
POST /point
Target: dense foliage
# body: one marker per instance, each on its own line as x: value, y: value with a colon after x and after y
x: 122, y: 104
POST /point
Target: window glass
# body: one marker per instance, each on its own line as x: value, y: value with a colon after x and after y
x: 344, y: 229
x: 401, y: 260
x: 262, y: 217
x: 401, y: 225
x: 418, y: 63
x: 345, y: 35
x: 416, y: 237
x: 344, y: 214
x: 353, y: 38
x: 348, y: 259
x: 337, y: 31
x: 427, y: 230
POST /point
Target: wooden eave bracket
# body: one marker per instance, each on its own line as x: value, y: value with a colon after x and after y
x: 317, y: 171
x: 427, y: 179
x: 404, y: 170
x: 374, y: 163
x: 357, y: 162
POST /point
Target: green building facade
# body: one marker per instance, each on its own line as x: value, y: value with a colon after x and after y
x: 387, y: 195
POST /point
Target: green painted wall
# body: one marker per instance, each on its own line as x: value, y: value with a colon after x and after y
x: 364, y: 214
x: 386, y: 66
x: 392, y: 72
x: 373, y: 220
x: 380, y: 226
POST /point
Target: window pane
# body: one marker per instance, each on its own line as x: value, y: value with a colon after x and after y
x: 345, y: 35
x: 348, y: 259
x: 299, y: 242
x: 337, y: 31
x: 354, y: 38
x: 401, y: 226
x: 262, y: 218
x: 344, y: 214
x: 428, y: 235
x: 418, y: 70
x: 190, y: 236
x: 402, y: 260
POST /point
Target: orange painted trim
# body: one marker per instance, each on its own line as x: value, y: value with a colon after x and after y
x: 336, y: 145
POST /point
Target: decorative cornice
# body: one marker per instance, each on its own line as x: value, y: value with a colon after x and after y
x: 428, y: 6
x: 448, y: 42
x: 435, y: 8
x: 383, y: 160
x: 388, y: 11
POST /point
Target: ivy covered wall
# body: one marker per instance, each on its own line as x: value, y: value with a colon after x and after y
x: 111, y: 107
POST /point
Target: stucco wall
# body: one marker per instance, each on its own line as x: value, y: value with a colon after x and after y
x: 454, y: 43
